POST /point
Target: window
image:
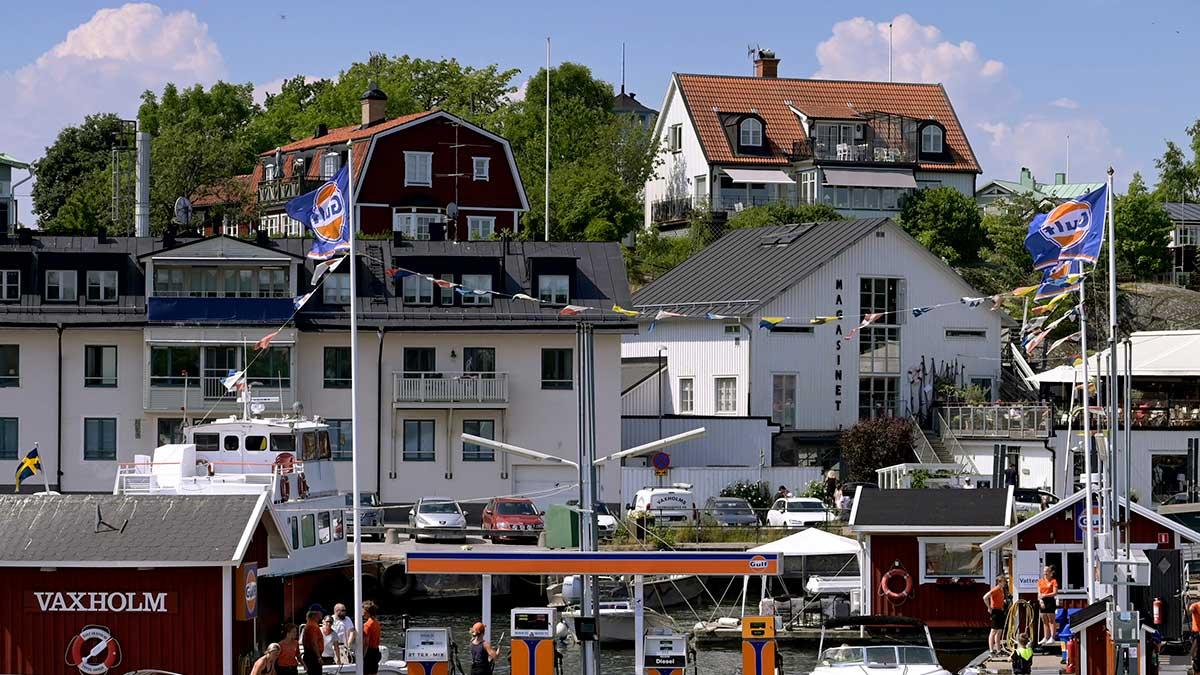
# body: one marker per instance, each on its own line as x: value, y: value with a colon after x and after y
x: 339, y: 530
x: 733, y: 329
x: 231, y: 443
x: 8, y: 438
x: 891, y: 199
x: 419, y: 360
x: 480, y: 360
x: 170, y: 430
x: 99, y: 366
x: 872, y: 201
x: 701, y: 190
x: 308, y: 530
x: 415, y: 226
x: 675, y: 137
x: 879, y: 350
x: 928, y: 184
x: 1068, y: 568
x: 726, y: 394
x: 269, y: 172
x: 687, y: 394
x: 481, y: 168
x: 324, y: 527
x: 1185, y: 235
x: 879, y: 295
x: 877, y: 397
x: 750, y: 132
x: 966, y: 333
x: 808, y: 187
x: 418, y: 440
x: 336, y: 289
x: 480, y: 228
x: 337, y: 368
x: 168, y: 282
x: 556, y: 369
x: 480, y: 282
x: 174, y: 366
x: 330, y: 164
x: 446, y: 294
x: 950, y: 558
x: 272, y: 368
x: 841, y: 197
x: 283, y: 443
x: 206, y: 442
x: 10, y: 366
x: 931, y: 139
x: 783, y: 400
x: 340, y: 437
x: 985, y: 384
x: 10, y: 284
x: 60, y: 286
x: 418, y: 290
x: 473, y: 452
x: 554, y: 289
x: 256, y: 443
x: 294, y: 522
x: 273, y: 283
x: 102, y: 286
x: 99, y: 438
x: 418, y: 168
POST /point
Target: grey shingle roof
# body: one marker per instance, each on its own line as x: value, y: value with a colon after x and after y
x: 747, y: 268
x: 932, y: 508
x: 1182, y: 210
x: 157, y: 528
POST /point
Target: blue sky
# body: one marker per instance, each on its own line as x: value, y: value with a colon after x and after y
x: 1117, y: 76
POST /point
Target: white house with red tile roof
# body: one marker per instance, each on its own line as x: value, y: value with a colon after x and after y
x: 733, y: 142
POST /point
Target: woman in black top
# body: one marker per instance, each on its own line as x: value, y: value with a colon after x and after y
x: 483, y: 655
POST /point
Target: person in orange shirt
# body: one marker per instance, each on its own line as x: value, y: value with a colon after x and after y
x: 994, y: 601
x: 288, y: 662
x: 1048, y: 603
x: 370, y: 638
x: 313, y: 642
x: 1194, y: 613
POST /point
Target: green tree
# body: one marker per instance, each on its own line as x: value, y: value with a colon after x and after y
x: 1143, y: 230
x: 874, y: 444
x: 1006, y: 263
x: 782, y: 214
x: 77, y: 153
x: 946, y: 222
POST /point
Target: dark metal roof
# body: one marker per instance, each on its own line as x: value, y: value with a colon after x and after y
x: 746, y: 268
x: 931, y: 508
x: 1182, y: 210
x: 107, y: 529
x: 628, y: 103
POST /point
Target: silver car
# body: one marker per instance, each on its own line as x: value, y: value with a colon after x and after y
x: 437, y: 518
x: 729, y: 511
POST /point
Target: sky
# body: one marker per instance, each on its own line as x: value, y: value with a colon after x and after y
x: 1117, y: 77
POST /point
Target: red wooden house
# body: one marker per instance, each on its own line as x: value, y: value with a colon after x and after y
x: 923, y: 552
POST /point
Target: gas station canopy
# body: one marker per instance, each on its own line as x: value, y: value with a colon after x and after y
x: 599, y: 562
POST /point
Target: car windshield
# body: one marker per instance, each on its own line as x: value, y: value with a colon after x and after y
x: 602, y: 510
x: 731, y: 506
x: 515, y: 509
x: 368, y: 500
x: 915, y: 656
x: 793, y: 507
x: 439, y: 507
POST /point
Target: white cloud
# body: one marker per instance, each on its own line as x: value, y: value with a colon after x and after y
x: 103, y: 65
x: 1041, y: 145
x: 1065, y: 103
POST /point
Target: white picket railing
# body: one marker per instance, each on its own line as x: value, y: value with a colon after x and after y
x: 450, y: 387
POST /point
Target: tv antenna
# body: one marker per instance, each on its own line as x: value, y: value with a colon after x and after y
x: 751, y: 52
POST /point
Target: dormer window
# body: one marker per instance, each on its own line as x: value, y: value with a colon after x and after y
x: 750, y: 133
x: 932, y: 138
x: 269, y: 172
x: 330, y: 164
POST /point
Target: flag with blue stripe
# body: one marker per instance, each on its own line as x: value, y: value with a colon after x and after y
x: 1073, y: 230
x: 28, y: 467
x: 326, y: 213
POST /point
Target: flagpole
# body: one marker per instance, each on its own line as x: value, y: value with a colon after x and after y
x: 45, y: 474
x: 1112, y: 389
x: 1090, y: 552
x: 547, y: 174
x: 358, y: 534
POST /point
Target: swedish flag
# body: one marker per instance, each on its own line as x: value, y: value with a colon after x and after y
x: 28, y: 467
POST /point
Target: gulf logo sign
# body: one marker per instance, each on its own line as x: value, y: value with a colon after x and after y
x: 1068, y: 223
x: 328, y: 216
x: 759, y: 563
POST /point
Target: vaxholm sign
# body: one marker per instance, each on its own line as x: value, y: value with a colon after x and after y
x: 72, y: 601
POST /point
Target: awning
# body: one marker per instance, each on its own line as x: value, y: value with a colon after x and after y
x: 760, y: 176
x: 812, y: 541
x: 890, y: 178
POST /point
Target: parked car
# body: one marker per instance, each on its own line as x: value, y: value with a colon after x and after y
x: 437, y: 518
x: 728, y: 511
x: 665, y: 504
x: 1028, y: 501
x: 798, y: 512
x: 370, y: 515
x: 849, y: 489
x: 512, y: 518
x: 606, y: 522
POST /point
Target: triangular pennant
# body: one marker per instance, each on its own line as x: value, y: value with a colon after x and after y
x: 572, y: 310
x: 769, y: 322
x: 265, y: 341
x: 717, y: 317
x: 867, y: 321
x: 325, y: 267
x: 526, y: 298
x: 820, y: 320
x: 664, y: 314
x: 625, y: 312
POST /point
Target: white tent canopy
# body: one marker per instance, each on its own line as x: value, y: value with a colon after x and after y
x: 812, y: 541
x: 1058, y: 375
x: 1160, y: 353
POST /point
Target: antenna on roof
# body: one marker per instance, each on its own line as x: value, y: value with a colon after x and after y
x: 751, y: 52
x: 622, y: 68
x: 889, y: 52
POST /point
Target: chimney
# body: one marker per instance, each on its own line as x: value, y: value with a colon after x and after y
x: 765, y: 64
x: 374, y: 105
x: 261, y: 238
x: 1026, y: 178
x: 169, y: 236
x: 141, y: 205
x: 322, y: 129
x: 24, y: 236
x: 1060, y: 178
x: 101, y: 234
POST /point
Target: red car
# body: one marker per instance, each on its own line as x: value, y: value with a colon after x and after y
x: 512, y: 518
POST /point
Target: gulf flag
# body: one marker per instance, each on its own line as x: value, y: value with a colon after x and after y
x: 326, y: 213
x: 1073, y: 230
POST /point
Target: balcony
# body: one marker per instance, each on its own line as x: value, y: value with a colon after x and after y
x: 998, y: 421
x: 874, y: 151
x: 1166, y: 414
x: 208, y: 394
x: 450, y: 389
x: 276, y: 192
x: 250, y: 310
x: 729, y: 201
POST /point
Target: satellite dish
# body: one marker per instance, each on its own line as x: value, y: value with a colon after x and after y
x: 452, y: 210
x: 183, y: 211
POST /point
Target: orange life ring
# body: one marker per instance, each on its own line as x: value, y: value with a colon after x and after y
x: 885, y: 584
x: 302, y: 486
x: 285, y: 488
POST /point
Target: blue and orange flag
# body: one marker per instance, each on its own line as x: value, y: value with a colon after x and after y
x: 326, y: 213
x: 28, y: 467
x: 1073, y: 230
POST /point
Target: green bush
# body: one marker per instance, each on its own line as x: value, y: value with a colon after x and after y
x: 757, y: 493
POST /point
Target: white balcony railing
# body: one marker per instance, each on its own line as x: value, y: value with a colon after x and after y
x: 450, y: 387
x: 998, y: 421
x: 208, y: 392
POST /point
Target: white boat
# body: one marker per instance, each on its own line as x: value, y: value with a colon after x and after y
x: 660, y: 591
x: 616, y: 621
x: 853, y: 644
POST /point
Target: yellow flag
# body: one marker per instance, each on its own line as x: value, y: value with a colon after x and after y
x: 621, y: 310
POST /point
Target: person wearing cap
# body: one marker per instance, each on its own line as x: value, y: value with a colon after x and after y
x: 483, y: 655
x: 312, y: 641
x: 265, y: 665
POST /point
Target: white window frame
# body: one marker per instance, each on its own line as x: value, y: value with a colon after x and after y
x: 480, y: 228
x: 229, y: 229
x: 330, y: 163
x: 415, y: 226
x: 687, y: 405
x: 940, y: 137
x: 419, y: 295
x: 10, y: 289
x: 675, y: 138
x: 717, y: 380
x: 481, y: 168
x: 795, y: 403
x: 418, y: 168
x: 553, y: 293
x: 268, y: 172
x: 336, y: 289
x: 61, y: 276
x: 101, y: 277
x: 481, y: 282
x: 983, y: 576
x: 1063, y: 592
x: 750, y: 132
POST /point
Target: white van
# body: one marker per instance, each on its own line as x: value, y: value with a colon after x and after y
x: 674, y: 504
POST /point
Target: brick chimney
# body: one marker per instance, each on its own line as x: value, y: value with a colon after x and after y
x: 374, y: 105
x: 765, y: 64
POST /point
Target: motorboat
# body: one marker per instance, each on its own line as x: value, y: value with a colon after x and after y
x: 660, y: 592
x: 616, y: 622
x: 887, y: 645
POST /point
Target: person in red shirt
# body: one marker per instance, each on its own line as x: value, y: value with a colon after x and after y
x: 1194, y: 613
x: 994, y: 601
x: 313, y: 642
x: 288, y: 662
x: 370, y: 638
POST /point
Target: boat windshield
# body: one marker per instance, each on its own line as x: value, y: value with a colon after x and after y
x: 516, y: 509
x: 879, y: 657
x: 439, y: 507
x: 814, y: 505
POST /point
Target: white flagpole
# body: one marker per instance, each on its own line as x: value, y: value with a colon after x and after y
x: 547, y: 174
x: 358, y: 535
x: 1090, y: 552
x: 1110, y: 465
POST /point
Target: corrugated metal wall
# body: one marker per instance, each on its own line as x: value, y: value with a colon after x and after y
x: 939, y: 605
x: 644, y: 398
x: 708, y: 482
x: 699, y: 349
x: 727, y: 441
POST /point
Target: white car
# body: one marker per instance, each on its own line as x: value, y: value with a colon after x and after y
x: 798, y: 512
x: 673, y: 504
x: 437, y: 517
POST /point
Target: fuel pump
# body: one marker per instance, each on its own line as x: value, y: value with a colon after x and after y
x: 532, y: 649
x: 759, y: 656
x: 665, y: 652
x: 427, y: 651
